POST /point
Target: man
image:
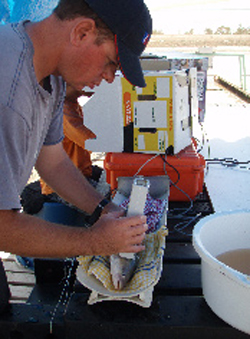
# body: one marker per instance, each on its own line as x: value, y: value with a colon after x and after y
x: 82, y: 43
x: 75, y: 135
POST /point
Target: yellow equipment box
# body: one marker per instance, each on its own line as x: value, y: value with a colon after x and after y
x: 154, y: 119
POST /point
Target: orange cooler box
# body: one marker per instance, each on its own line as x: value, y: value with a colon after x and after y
x: 186, y: 169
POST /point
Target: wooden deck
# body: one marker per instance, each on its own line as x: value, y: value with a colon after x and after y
x: 21, y: 281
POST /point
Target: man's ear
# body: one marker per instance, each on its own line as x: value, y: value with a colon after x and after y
x: 82, y: 30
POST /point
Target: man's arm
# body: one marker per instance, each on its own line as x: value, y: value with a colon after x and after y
x: 27, y: 235
x: 58, y: 171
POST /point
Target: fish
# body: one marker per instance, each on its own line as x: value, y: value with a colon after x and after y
x: 122, y: 269
x: 123, y: 265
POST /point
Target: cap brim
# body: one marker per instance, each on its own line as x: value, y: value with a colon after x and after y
x: 130, y: 65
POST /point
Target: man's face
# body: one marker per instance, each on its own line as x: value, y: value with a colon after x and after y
x: 90, y: 64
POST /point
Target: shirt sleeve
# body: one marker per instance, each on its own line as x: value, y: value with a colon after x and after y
x: 55, y: 132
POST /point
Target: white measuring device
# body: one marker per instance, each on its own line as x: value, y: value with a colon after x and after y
x: 138, y: 197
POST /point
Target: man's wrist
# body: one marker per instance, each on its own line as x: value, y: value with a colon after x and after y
x: 98, y: 211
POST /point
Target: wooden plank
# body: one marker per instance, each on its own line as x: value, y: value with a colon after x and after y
x: 13, y: 266
x: 19, y: 301
x: 27, y: 279
x: 20, y: 292
x: 172, y: 317
x: 168, y: 317
x: 181, y: 279
x: 20, y: 280
x: 180, y: 253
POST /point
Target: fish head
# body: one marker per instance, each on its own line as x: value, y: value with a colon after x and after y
x: 121, y: 270
x: 119, y: 280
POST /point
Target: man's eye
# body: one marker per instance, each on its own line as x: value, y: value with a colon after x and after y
x: 114, y: 64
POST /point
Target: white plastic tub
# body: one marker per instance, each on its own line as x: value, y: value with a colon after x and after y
x: 227, y: 291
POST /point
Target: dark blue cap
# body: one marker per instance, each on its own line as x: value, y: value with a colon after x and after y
x: 131, y: 23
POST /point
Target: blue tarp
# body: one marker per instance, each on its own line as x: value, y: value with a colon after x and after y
x: 17, y: 10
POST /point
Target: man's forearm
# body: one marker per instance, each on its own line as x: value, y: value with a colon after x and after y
x: 31, y: 236
x: 27, y: 235
x: 62, y: 176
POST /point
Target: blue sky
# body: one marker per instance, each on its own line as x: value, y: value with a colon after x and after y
x: 179, y: 16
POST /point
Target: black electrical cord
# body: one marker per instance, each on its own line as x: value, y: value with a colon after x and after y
x: 178, y: 173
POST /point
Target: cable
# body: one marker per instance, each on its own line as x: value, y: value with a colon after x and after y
x: 179, y: 229
x: 139, y: 170
x: 228, y: 162
x: 178, y: 173
x: 190, y: 200
x: 175, y: 185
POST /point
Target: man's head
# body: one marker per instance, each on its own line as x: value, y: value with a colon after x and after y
x: 69, y: 10
x: 127, y: 22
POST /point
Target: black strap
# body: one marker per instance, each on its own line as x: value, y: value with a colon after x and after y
x: 98, y: 211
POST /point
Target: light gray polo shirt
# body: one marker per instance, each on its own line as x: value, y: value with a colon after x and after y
x: 30, y: 116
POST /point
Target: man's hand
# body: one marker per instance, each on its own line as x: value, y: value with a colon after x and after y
x: 113, y: 234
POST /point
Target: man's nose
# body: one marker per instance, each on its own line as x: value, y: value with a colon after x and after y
x: 109, y: 74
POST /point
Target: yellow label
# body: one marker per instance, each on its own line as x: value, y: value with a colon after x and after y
x: 150, y: 110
